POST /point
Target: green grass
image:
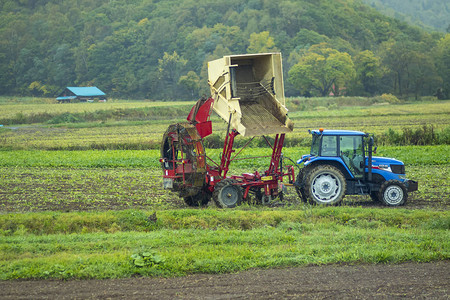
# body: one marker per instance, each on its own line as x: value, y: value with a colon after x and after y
x: 212, y: 241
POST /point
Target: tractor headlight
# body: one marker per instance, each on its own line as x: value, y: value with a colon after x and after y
x: 385, y: 168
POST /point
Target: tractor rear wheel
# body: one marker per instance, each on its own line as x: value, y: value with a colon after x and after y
x: 393, y: 193
x: 227, y: 194
x: 325, y: 185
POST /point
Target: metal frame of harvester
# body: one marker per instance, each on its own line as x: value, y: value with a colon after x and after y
x: 244, y: 89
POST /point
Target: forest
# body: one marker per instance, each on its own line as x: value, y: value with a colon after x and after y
x: 150, y: 49
x: 425, y: 13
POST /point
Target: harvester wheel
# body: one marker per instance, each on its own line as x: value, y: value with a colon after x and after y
x: 227, y: 194
x: 200, y: 199
x: 325, y: 184
x: 393, y: 193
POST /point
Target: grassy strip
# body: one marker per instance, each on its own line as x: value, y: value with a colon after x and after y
x: 243, y: 218
x: 211, y: 241
x: 410, y: 155
x: 78, y: 112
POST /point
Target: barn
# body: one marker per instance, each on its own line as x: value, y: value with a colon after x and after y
x: 83, y: 94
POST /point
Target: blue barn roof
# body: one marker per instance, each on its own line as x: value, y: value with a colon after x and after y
x: 89, y: 91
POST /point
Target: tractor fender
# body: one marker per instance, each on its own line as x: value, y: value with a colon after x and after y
x: 388, y: 175
x: 333, y: 161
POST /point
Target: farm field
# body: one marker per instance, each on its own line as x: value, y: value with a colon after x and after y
x: 147, y: 135
x: 67, y: 211
x: 79, y: 126
x: 124, y: 179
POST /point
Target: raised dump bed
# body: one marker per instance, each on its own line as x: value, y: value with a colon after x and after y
x: 249, y: 93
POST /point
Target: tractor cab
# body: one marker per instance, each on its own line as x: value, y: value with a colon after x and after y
x: 343, y: 146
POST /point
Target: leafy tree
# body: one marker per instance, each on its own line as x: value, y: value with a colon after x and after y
x: 190, y: 81
x: 35, y: 89
x: 442, y: 63
x: 422, y: 76
x: 321, y: 69
x: 62, y: 66
x: 368, y: 71
x: 169, y: 69
x: 261, y: 42
x: 305, y: 38
x: 410, y: 69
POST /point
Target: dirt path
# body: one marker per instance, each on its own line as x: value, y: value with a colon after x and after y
x: 406, y: 281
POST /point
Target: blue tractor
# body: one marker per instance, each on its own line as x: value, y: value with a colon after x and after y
x: 341, y: 163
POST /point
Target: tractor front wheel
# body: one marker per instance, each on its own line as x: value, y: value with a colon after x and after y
x: 393, y: 193
x: 227, y: 194
x: 325, y: 185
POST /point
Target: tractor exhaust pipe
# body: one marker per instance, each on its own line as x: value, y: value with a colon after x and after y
x: 369, y: 163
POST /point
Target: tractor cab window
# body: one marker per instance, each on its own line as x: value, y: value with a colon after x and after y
x: 352, y: 153
x: 324, y: 145
x: 315, y: 145
x: 329, y: 146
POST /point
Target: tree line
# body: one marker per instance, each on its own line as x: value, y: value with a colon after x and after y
x: 159, y: 49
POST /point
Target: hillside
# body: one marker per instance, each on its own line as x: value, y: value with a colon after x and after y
x: 159, y: 49
x: 426, y: 13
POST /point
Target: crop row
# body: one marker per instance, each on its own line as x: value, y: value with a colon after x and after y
x: 81, y: 189
x: 27, y: 109
x: 148, y: 135
x: 410, y: 155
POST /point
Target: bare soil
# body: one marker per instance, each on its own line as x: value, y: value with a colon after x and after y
x: 403, y: 281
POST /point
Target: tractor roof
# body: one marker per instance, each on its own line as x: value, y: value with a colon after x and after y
x: 338, y: 132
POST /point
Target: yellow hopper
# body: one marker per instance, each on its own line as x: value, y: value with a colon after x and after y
x: 249, y: 93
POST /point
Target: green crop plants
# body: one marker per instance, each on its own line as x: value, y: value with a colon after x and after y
x: 89, y: 180
x: 67, y: 189
x: 427, y: 135
x: 146, y: 258
x: 423, y: 155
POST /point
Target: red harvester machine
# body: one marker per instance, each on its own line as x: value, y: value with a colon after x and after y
x: 248, y: 93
